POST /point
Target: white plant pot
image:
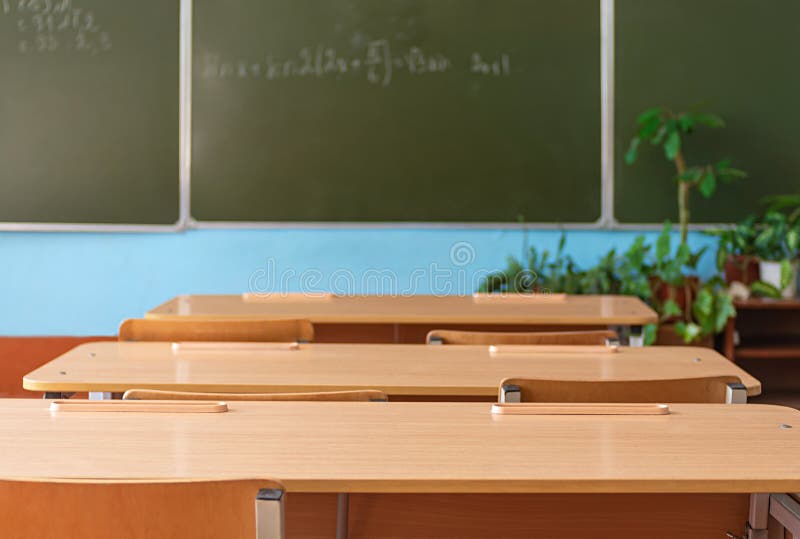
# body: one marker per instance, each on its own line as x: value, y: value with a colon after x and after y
x: 771, y: 274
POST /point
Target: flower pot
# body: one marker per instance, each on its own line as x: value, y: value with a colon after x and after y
x: 771, y: 274
x: 666, y: 336
x: 741, y: 268
x: 682, y: 295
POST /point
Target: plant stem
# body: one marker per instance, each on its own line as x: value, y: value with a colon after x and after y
x: 683, y: 197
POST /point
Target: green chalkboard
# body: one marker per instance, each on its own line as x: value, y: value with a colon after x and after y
x: 396, y: 110
x: 740, y: 57
x: 89, y: 111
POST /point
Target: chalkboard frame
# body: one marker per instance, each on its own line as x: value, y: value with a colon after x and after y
x: 606, y: 221
x: 184, y: 132
x: 186, y: 222
x: 705, y: 224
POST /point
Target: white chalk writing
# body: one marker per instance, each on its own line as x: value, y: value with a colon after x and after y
x: 46, y: 26
x: 378, y: 64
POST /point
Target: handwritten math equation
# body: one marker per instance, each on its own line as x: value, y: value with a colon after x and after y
x: 46, y: 26
x: 378, y: 64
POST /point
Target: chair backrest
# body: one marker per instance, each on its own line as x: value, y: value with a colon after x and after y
x: 448, y: 336
x: 340, y: 396
x: 711, y: 389
x: 220, y: 330
x: 141, y: 509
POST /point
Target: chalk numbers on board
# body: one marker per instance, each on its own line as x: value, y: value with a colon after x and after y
x: 47, y: 26
x: 379, y: 62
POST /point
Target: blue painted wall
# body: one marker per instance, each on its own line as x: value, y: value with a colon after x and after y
x: 85, y: 284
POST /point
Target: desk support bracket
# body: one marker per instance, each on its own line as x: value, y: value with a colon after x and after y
x: 270, y: 514
x: 785, y: 515
x: 758, y: 517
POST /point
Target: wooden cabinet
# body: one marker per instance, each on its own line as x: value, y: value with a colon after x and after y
x: 764, y: 339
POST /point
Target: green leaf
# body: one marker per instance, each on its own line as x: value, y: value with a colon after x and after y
x: 670, y: 309
x: 672, y: 145
x: 724, y: 163
x: 709, y: 120
x: 708, y: 184
x: 630, y: 155
x: 686, y: 122
x: 728, y: 175
x: 663, y: 243
x: 786, y: 273
x: 689, y: 332
x: 724, y: 309
x: 779, y: 202
x: 766, y: 290
x: 695, y: 257
x: 649, y: 115
x: 692, y: 174
x: 659, y: 135
x: 703, y: 305
x: 650, y: 334
x: 649, y: 128
x: 793, y: 240
x: 683, y: 254
x: 722, y: 256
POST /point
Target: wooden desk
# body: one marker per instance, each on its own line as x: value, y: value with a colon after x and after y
x: 400, y: 370
x: 723, y: 451
x: 408, y: 319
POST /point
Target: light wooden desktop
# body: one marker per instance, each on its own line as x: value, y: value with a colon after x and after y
x: 399, y: 370
x: 409, y: 318
x: 722, y: 453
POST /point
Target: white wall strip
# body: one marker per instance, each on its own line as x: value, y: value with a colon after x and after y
x: 387, y: 225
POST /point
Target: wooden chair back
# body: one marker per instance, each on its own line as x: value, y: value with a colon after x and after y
x: 140, y: 510
x: 710, y: 389
x: 362, y: 395
x: 220, y: 330
x: 449, y: 336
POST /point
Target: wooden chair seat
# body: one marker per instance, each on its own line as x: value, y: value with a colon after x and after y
x: 220, y: 330
x: 449, y: 336
x: 356, y: 395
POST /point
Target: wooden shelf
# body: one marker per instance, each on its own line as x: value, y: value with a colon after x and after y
x: 769, y: 348
x: 767, y: 304
x: 768, y: 329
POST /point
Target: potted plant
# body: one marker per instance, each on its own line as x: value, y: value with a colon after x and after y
x: 778, y: 245
x: 537, y: 274
x: 690, y: 312
x: 711, y: 309
x: 671, y: 276
x: 736, y: 251
x: 788, y: 204
x: 662, y: 127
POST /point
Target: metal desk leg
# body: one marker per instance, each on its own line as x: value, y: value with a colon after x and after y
x: 758, y: 518
x: 100, y: 395
x: 269, y: 514
x: 510, y: 393
x: 342, y: 514
x: 53, y: 395
x: 636, y: 336
x: 736, y: 393
x: 786, y: 511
